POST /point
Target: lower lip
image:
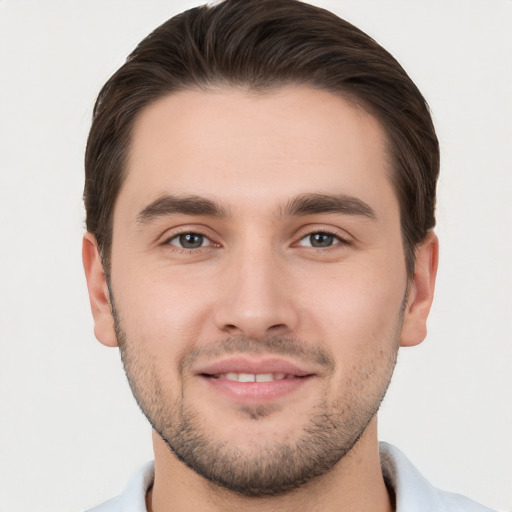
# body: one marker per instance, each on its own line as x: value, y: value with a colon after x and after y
x: 256, y: 392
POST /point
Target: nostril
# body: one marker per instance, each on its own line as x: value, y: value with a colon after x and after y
x: 232, y: 330
x: 255, y: 331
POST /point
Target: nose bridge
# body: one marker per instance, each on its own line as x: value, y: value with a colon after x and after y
x: 256, y: 300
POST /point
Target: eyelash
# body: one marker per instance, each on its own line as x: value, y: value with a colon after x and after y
x: 339, y: 241
x: 168, y: 242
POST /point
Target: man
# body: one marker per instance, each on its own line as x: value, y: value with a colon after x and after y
x: 260, y: 193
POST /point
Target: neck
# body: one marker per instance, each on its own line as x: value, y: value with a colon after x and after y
x: 355, y: 483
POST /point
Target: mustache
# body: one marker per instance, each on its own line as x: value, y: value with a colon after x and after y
x: 279, y: 345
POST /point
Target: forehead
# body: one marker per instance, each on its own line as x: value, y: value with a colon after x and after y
x: 231, y: 144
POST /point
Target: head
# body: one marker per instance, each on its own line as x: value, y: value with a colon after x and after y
x: 260, y: 189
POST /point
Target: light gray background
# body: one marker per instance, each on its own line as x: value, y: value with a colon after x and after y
x: 70, y: 432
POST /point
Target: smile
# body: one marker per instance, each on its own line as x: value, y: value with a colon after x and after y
x: 251, y: 377
x: 246, y: 380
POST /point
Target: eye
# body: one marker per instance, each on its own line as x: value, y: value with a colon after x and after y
x: 320, y: 240
x: 189, y: 241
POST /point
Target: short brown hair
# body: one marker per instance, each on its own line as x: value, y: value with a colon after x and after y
x: 265, y: 44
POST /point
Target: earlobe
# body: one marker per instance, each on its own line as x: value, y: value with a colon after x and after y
x: 421, y: 292
x: 99, y: 295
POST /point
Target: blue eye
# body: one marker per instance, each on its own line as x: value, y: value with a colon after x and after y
x: 189, y: 241
x: 320, y: 240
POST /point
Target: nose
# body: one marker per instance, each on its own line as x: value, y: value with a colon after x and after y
x: 258, y: 298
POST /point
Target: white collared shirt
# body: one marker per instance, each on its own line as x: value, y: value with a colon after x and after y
x: 413, y: 493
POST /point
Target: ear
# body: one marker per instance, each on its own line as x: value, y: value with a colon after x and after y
x: 421, y: 292
x: 99, y: 295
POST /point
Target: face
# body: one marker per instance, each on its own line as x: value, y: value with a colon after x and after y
x: 258, y: 281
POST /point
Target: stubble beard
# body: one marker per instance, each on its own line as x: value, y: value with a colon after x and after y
x: 272, y: 469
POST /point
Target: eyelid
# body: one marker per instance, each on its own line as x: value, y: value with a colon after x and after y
x: 337, y: 242
x: 172, y: 233
x: 179, y: 235
x: 341, y: 235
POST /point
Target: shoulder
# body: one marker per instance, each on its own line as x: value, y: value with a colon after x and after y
x: 413, y: 492
x: 133, y: 498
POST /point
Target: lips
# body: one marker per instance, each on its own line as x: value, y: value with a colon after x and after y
x: 246, y: 366
x: 254, y: 381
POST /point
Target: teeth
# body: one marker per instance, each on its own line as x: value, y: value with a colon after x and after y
x: 251, y: 377
x: 264, y: 377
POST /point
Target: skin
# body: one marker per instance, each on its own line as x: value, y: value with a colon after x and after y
x: 257, y: 277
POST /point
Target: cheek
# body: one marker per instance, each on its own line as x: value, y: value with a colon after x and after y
x: 164, y: 314
x: 161, y: 323
x: 361, y: 330
x: 358, y: 310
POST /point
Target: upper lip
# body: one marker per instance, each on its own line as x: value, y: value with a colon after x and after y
x: 252, y: 366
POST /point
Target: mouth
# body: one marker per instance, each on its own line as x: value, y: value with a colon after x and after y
x: 253, y: 377
x: 254, y: 381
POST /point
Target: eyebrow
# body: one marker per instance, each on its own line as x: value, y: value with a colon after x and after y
x: 184, y: 205
x: 307, y: 204
x: 304, y: 204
